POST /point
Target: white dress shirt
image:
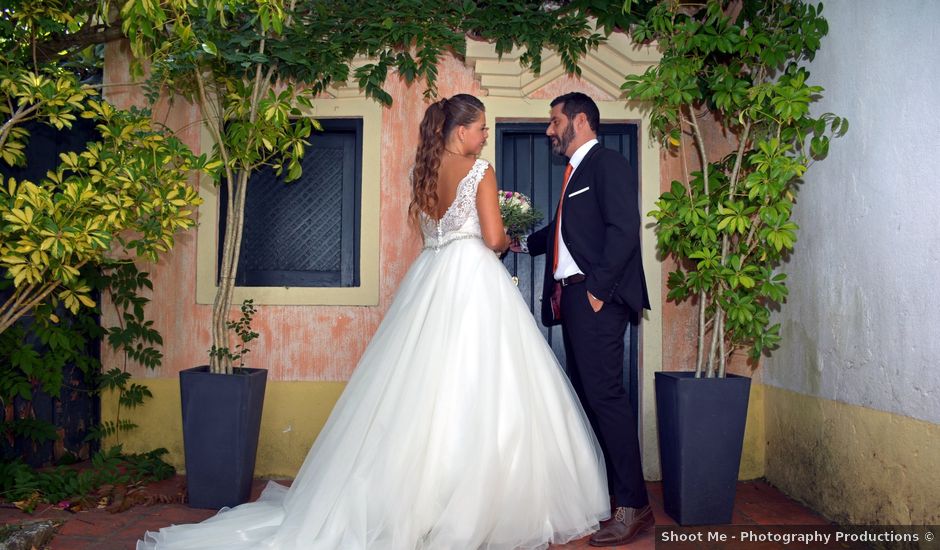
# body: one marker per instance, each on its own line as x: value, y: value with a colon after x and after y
x: 566, y: 264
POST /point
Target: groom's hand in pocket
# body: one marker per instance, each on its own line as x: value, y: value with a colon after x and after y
x: 596, y: 303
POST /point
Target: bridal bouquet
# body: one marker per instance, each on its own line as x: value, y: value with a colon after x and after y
x: 519, y: 216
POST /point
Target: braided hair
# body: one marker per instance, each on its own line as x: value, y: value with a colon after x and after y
x: 440, y: 120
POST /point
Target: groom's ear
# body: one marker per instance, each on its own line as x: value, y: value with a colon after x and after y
x: 581, y: 123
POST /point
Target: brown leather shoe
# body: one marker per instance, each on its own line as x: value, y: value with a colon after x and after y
x: 626, y: 525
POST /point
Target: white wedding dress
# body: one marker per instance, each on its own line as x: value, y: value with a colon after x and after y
x: 457, y: 431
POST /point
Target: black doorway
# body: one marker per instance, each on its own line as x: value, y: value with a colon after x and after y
x: 525, y: 163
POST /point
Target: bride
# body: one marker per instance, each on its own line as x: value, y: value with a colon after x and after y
x: 458, y: 429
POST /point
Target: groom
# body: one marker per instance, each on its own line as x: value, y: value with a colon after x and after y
x: 593, y: 285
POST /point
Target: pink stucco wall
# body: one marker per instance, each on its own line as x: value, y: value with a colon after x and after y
x: 325, y: 342
x: 296, y: 342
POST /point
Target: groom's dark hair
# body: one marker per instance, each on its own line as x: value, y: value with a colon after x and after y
x: 576, y: 102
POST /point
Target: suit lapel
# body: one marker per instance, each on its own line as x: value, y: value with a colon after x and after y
x: 576, y: 177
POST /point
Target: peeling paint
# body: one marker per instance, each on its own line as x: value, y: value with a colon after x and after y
x: 853, y: 464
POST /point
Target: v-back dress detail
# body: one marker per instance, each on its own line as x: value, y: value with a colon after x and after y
x: 458, y: 429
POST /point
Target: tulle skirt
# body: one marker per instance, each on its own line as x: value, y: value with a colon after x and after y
x: 458, y: 430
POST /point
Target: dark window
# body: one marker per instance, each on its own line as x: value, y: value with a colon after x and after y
x: 305, y: 233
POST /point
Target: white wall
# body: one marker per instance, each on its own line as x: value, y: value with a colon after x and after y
x: 862, y: 323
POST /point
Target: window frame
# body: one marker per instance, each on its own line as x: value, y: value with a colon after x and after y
x: 348, y: 273
x: 366, y: 293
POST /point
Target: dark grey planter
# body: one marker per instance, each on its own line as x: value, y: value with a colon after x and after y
x: 701, y: 434
x: 221, y: 423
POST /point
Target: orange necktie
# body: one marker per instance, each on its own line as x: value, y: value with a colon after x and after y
x: 561, y: 202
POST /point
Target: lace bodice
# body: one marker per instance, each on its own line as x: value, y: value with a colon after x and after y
x: 461, y: 220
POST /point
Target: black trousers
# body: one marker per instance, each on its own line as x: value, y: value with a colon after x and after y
x: 594, y: 349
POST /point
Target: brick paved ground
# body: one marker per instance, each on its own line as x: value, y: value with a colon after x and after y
x: 757, y: 503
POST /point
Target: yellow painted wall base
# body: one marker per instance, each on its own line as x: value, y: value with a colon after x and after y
x: 755, y: 443
x: 852, y: 464
x: 294, y: 414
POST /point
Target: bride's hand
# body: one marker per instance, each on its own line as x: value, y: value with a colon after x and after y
x: 518, y: 245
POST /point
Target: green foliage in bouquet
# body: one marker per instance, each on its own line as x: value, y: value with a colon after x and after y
x: 519, y: 216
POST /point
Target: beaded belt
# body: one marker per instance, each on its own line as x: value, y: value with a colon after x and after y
x: 456, y: 237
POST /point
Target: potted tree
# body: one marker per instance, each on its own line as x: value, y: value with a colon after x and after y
x: 229, y: 58
x: 736, y: 67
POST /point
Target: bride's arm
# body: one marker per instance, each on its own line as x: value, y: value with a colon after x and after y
x: 491, y: 223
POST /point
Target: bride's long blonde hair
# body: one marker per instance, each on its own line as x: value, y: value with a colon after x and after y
x: 440, y: 120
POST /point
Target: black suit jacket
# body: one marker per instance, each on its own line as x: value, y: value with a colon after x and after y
x: 601, y: 230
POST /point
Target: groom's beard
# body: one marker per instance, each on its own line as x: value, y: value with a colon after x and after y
x: 560, y: 144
